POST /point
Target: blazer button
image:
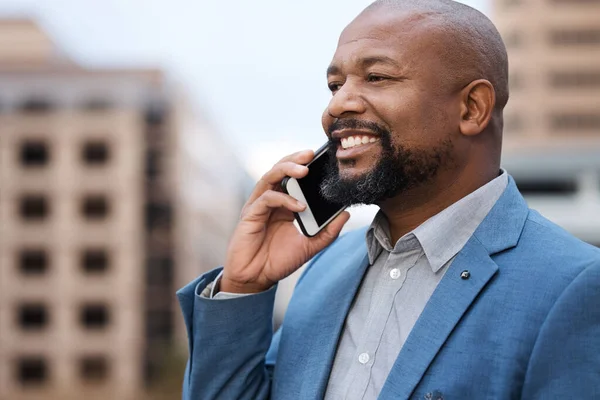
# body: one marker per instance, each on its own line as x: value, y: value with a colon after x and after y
x: 465, y: 274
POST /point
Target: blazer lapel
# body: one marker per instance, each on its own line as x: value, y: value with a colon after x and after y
x: 500, y: 230
x: 448, y: 303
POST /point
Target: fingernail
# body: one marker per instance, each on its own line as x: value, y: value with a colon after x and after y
x: 300, y: 168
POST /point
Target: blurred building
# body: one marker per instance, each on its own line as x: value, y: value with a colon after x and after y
x: 113, y: 193
x: 552, y: 121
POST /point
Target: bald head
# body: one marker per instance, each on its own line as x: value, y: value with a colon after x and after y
x: 467, y: 42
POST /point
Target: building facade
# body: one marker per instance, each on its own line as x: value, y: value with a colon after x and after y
x: 552, y: 121
x: 107, y: 206
x: 554, y: 58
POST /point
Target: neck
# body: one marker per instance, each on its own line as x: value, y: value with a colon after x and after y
x: 408, y: 210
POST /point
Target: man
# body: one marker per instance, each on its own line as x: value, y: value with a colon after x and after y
x: 456, y: 291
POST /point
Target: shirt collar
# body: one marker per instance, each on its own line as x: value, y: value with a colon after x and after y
x: 442, y: 236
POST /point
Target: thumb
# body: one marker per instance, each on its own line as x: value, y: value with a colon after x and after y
x: 329, y: 233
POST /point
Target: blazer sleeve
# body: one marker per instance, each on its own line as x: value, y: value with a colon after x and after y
x: 565, y: 362
x: 228, y: 341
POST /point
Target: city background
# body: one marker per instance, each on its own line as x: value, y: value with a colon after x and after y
x: 132, y: 132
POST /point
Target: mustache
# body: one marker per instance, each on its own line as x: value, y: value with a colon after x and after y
x: 352, y: 123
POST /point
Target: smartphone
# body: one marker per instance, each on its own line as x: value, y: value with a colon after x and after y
x: 319, y: 211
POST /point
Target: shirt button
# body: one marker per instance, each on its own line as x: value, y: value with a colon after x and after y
x: 363, y: 358
x: 395, y: 273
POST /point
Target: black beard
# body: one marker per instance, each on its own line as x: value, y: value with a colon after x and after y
x: 397, y: 170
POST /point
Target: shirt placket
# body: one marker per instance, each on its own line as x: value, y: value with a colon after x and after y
x: 396, y: 268
x: 391, y: 278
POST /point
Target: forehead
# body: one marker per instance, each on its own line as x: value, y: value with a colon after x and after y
x: 409, y: 38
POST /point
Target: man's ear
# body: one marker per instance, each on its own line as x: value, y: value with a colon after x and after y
x: 477, y: 103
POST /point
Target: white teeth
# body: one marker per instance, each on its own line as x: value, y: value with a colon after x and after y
x: 354, y: 141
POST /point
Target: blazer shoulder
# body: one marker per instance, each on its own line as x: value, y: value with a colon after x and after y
x: 549, y: 230
x: 547, y: 244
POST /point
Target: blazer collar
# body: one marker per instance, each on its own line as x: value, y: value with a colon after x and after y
x: 502, y: 227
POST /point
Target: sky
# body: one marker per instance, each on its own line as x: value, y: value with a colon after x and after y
x: 254, y: 69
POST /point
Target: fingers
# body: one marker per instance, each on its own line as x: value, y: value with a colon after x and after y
x: 288, y: 166
x: 283, y: 169
x: 329, y: 233
x: 261, y: 209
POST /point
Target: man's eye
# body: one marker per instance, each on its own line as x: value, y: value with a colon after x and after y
x: 334, y: 86
x: 375, y: 78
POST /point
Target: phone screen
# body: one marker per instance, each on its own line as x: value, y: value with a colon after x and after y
x: 321, y: 208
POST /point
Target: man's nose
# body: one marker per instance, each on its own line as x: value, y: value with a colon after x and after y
x: 346, y: 101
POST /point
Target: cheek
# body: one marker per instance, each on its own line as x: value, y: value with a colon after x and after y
x: 418, y: 121
x: 401, y: 111
x: 437, y: 123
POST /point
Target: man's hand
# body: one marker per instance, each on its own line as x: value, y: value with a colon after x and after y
x: 266, y: 246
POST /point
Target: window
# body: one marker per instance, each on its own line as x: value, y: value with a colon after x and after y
x: 95, y: 207
x: 575, y: 121
x: 160, y: 271
x: 152, y: 164
x: 155, y: 134
x: 33, y: 316
x: 34, y: 153
x: 583, y: 79
x: 33, y: 262
x: 155, y: 115
x: 515, y: 81
x: 513, y: 123
x: 158, y: 215
x: 93, y: 369
x: 573, y: 2
x: 94, y: 316
x: 95, y: 153
x: 507, y: 4
x: 32, y: 371
x: 577, y: 37
x: 36, y: 105
x: 159, y: 324
x: 96, y: 105
x: 548, y: 187
x: 34, y: 207
x: 513, y: 39
x: 94, y: 261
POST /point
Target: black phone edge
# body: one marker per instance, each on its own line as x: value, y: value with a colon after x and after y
x: 319, y: 151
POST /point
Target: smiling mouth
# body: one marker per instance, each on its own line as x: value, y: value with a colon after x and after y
x: 357, y: 140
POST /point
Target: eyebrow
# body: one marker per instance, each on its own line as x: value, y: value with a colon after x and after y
x: 365, y: 63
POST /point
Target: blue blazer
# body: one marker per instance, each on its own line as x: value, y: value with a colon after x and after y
x: 525, y: 325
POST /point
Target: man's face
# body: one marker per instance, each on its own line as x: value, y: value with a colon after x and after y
x: 388, y: 120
